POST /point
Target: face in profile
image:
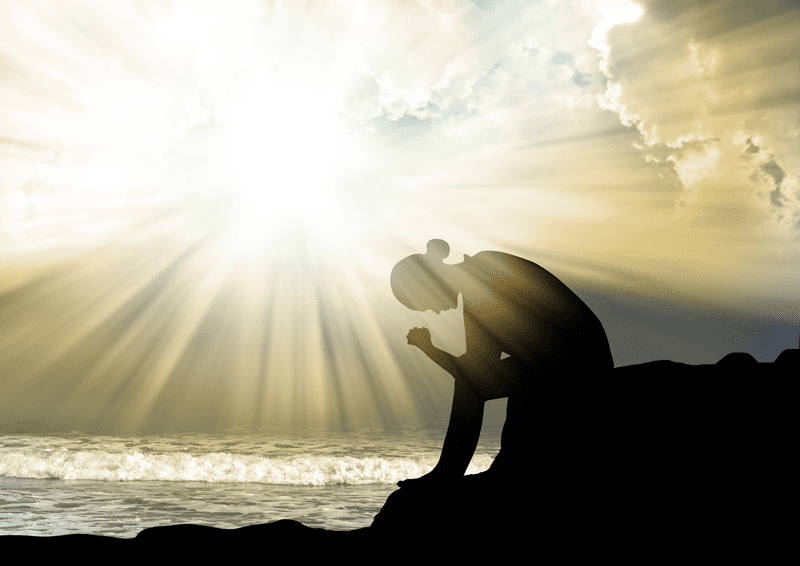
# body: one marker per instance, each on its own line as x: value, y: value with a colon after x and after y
x: 440, y: 302
x: 419, y: 285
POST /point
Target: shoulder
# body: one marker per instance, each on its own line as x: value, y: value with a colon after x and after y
x: 516, y: 273
x: 501, y: 261
x: 492, y: 257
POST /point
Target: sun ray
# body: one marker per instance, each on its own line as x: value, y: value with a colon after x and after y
x: 201, y: 202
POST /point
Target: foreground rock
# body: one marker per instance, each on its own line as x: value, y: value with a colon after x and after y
x: 191, y: 542
x: 654, y: 459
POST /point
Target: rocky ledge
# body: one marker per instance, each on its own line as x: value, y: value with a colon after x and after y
x: 649, y: 460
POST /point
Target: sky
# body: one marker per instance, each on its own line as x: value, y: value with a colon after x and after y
x: 201, y: 202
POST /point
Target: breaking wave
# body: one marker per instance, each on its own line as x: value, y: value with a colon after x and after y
x: 100, y: 465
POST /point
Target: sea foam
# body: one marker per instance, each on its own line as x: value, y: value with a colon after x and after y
x: 132, y: 465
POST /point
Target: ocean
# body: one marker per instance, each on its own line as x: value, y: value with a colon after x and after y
x: 67, y: 483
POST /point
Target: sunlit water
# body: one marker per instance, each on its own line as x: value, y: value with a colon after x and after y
x: 117, y: 486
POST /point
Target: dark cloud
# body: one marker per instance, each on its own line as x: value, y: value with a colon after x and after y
x: 663, y: 34
x: 764, y: 100
x: 409, y: 126
x: 405, y: 127
x: 661, y: 151
x: 775, y: 197
x: 751, y: 147
x: 456, y: 108
x: 489, y: 72
x: 530, y: 51
x: 715, y: 17
x: 560, y: 58
x: 774, y: 170
x: 496, y: 14
x: 582, y: 79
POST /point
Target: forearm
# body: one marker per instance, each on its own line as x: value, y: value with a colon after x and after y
x: 463, y: 431
x: 492, y: 380
x: 447, y: 362
x: 461, y: 367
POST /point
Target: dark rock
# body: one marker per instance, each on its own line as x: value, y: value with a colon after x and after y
x: 651, y: 460
x: 182, y: 542
x: 735, y: 359
x: 789, y: 359
x: 661, y: 457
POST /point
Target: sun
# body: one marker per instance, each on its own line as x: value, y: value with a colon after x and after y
x: 281, y: 143
x: 269, y: 133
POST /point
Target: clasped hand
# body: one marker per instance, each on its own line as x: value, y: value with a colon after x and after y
x: 420, y: 337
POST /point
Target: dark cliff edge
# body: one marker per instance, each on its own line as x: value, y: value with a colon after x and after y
x: 649, y: 460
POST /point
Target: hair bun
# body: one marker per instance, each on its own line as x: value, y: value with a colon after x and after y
x: 437, y: 250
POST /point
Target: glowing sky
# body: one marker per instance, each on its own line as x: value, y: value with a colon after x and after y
x: 201, y: 201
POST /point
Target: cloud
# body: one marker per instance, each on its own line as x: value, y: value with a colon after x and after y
x: 723, y: 71
x: 712, y: 19
x: 478, y: 64
x: 560, y: 58
x: 777, y: 174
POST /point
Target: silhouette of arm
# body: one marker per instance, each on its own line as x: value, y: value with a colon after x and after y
x: 463, y: 431
x: 421, y: 338
x: 489, y: 381
x: 447, y: 362
x: 480, y: 366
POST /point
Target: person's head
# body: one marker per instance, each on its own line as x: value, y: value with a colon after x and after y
x: 420, y: 281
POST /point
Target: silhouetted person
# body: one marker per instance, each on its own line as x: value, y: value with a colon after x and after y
x: 511, y: 306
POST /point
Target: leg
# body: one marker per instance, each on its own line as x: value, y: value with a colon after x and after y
x: 515, y: 440
x: 533, y: 416
x: 545, y: 420
x: 461, y: 439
